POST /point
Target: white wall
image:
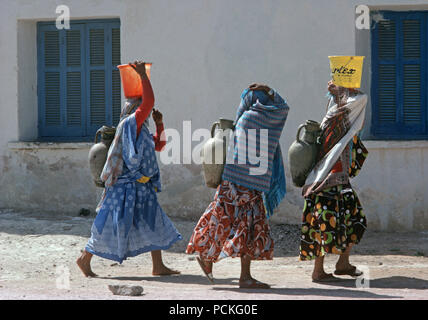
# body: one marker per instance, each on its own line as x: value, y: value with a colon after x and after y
x: 27, y: 80
x: 204, y: 54
x: 392, y: 185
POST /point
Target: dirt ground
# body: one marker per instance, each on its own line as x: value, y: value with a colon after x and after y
x: 38, y: 253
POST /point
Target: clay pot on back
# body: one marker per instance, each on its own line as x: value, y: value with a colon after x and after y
x: 302, y: 154
x: 213, y: 152
x: 98, y: 153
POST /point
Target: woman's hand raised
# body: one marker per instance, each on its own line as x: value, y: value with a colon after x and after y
x: 140, y: 68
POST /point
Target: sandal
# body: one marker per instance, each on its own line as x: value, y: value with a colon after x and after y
x: 209, y: 275
x: 252, y: 284
x: 353, y: 272
x: 327, y: 278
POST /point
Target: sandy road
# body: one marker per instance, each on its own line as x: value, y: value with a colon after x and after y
x: 38, y: 253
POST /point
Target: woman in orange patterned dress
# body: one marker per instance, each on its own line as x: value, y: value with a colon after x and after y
x: 235, y: 223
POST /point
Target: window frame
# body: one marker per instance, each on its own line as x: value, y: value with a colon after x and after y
x: 84, y: 132
x: 398, y: 130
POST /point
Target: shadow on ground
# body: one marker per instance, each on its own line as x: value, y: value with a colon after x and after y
x: 180, y: 279
x: 395, y: 282
x: 336, y: 290
x: 337, y: 293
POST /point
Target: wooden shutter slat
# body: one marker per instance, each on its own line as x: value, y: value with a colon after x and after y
x: 412, y: 94
x: 96, y: 45
x: 386, y: 43
x: 52, y: 99
x: 97, y: 97
x: 116, y: 96
x: 387, y: 93
x: 411, y: 39
x: 116, y: 83
x: 51, y: 48
x: 115, y: 46
x: 74, y: 99
x: 73, y: 48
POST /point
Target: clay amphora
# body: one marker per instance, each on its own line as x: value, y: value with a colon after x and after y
x: 98, y: 153
x: 302, y: 154
x: 213, y: 152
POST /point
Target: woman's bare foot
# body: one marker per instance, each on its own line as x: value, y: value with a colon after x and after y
x: 84, y: 263
x: 163, y: 270
x: 159, y: 269
x: 252, y: 284
x: 246, y: 280
x: 348, y: 270
x: 343, y: 265
x: 323, y: 277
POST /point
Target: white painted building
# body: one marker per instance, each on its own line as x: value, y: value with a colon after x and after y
x: 204, y: 54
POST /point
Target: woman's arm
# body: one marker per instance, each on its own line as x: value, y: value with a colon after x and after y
x: 148, y: 101
x: 159, y: 136
x: 148, y: 98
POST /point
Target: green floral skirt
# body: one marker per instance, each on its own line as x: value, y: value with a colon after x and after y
x: 332, y: 219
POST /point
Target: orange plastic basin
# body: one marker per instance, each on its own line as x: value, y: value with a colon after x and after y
x: 131, y: 80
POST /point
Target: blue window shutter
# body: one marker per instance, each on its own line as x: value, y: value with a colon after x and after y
x: 399, y: 76
x: 51, y: 47
x: 52, y: 115
x: 74, y: 99
x: 78, y: 82
x: 116, y: 97
x: 387, y: 102
x: 412, y: 73
x: 60, y: 81
x: 116, y: 84
x: 49, y: 80
x: 96, y: 37
x: 104, y: 79
x: 74, y: 124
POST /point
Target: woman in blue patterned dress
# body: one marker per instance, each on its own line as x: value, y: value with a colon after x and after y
x: 129, y: 218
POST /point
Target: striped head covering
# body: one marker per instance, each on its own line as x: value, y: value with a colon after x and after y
x: 259, y: 124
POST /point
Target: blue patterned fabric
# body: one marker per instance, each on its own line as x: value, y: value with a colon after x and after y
x: 129, y: 218
x: 277, y: 189
x: 257, y: 111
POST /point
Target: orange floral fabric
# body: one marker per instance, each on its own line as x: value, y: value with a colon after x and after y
x: 234, y: 224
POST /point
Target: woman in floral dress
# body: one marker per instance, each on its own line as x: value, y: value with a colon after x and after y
x: 333, y: 218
